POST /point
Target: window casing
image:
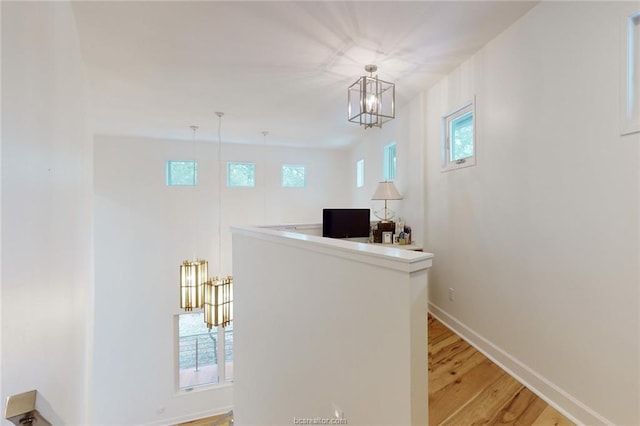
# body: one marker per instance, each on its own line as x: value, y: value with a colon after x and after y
x: 181, y: 173
x: 459, y: 137
x: 389, y: 162
x: 241, y: 174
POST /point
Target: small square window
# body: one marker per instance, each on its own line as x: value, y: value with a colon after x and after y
x: 389, y: 162
x: 182, y: 173
x: 459, y: 138
x: 292, y: 176
x: 360, y: 174
x: 241, y: 175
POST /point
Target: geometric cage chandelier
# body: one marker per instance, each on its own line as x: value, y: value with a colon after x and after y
x: 371, y: 101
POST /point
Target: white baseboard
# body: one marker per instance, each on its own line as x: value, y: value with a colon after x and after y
x: 562, y: 401
x: 190, y: 417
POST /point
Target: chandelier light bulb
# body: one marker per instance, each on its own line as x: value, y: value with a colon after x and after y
x: 372, y: 103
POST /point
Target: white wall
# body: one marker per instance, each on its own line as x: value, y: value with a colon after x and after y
x: 407, y: 130
x: 47, y: 274
x: 325, y: 324
x: 145, y: 229
x: 540, y: 238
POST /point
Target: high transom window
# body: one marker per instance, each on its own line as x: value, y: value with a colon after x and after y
x: 459, y: 138
x: 293, y: 176
x: 241, y: 175
x: 182, y: 173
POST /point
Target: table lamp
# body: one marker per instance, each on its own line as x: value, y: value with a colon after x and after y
x: 386, y: 191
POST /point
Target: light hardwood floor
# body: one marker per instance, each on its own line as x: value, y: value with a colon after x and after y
x: 466, y: 388
x: 221, y: 420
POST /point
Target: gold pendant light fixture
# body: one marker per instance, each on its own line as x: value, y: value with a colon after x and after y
x: 218, y: 302
x: 197, y: 290
x: 193, y: 273
x: 218, y: 291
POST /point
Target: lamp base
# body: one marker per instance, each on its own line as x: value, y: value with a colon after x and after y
x: 384, y: 214
x: 382, y: 227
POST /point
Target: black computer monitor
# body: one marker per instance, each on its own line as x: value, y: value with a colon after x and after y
x: 346, y: 223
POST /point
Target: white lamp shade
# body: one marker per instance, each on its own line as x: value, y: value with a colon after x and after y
x: 386, y: 191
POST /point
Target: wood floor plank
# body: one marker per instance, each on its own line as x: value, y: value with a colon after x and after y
x: 219, y: 420
x: 437, y: 330
x: 449, y: 370
x: 524, y: 409
x: 551, y: 417
x: 481, y: 409
x: 448, y: 400
x: 466, y: 388
x: 445, y: 349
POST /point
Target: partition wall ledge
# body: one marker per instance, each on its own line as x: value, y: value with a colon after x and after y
x: 386, y: 257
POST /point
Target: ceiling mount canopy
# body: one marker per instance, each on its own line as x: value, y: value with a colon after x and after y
x: 371, y: 101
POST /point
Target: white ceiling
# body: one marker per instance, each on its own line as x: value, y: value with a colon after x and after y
x: 155, y: 68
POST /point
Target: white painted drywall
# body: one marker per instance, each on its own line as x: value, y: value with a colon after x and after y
x: 326, y: 325
x: 407, y: 131
x: 47, y: 274
x: 540, y: 238
x: 145, y: 229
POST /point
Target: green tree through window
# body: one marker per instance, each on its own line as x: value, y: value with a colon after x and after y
x: 462, y: 137
x: 458, y: 138
x: 293, y: 176
x: 241, y: 174
x: 389, y: 162
x: 182, y: 173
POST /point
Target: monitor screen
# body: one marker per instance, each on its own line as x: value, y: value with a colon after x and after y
x: 345, y: 223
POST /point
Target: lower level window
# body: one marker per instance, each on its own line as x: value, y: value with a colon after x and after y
x: 205, y: 356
